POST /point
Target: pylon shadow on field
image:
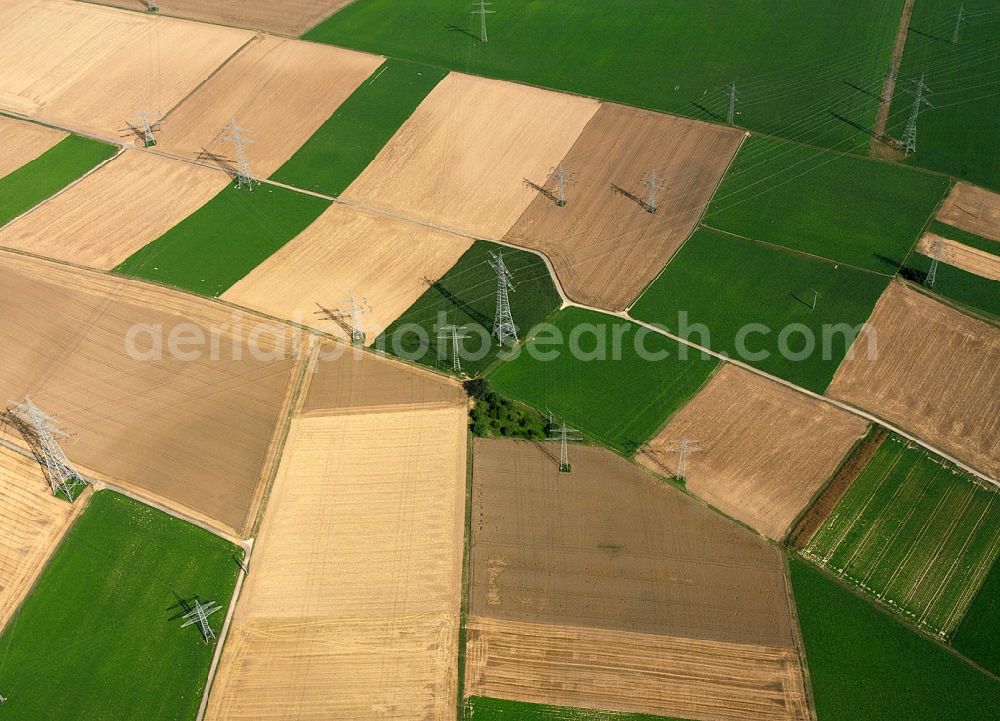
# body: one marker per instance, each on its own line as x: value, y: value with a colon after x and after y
x: 462, y: 31
x: 337, y: 317
x: 862, y: 90
x: 853, y: 123
x: 709, y: 113
x: 541, y: 189
x: 631, y: 196
x: 206, y: 157
x: 928, y: 35
x: 458, y: 303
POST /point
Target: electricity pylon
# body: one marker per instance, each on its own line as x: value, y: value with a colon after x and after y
x: 356, y: 308
x: 148, y: 127
x: 199, y: 615
x: 564, y: 434
x: 503, y: 321
x: 682, y: 448
x: 562, y: 179
x: 731, y: 93
x: 910, y: 134
x: 453, y: 332
x: 653, y: 183
x: 960, y: 17
x: 482, y: 12
x: 935, y: 258
x: 42, y: 433
x: 244, y: 175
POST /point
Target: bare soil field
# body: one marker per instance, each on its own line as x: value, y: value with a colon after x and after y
x: 596, y: 546
x: 92, y: 67
x: 385, y: 260
x: 633, y: 672
x: 461, y: 159
x: 280, y: 90
x: 188, y: 422
x: 352, y: 609
x: 936, y: 373
x: 21, y: 142
x: 32, y: 523
x: 115, y: 211
x: 605, y: 245
x: 973, y: 260
x: 348, y: 380
x: 288, y: 17
x: 767, y: 450
x: 973, y: 209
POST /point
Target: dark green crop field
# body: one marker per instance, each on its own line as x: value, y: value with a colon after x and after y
x: 976, y: 636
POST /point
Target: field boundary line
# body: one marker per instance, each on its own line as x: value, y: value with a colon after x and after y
x: 977, y: 572
x: 889, y: 87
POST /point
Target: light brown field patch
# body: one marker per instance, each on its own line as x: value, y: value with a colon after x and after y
x: 935, y: 372
x: 92, y: 67
x: 281, y: 90
x: 32, y: 522
x: 115, y: 211
x: 352, y: 609
x: 633, y: 672
x: 967, y: 258
x: 385, y: 260
x: 21, y: 142
x: 179, y: 423
x: 461, y: 158
x: 766, y: 450
x: 605, y: 245
x: 973, y: 209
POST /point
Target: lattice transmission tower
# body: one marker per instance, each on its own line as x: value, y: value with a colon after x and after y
x: 42, y: 433
x: 355, y: 311
x: 935, y: 258
x: 562, y: 179
x: 503, y: 321
x: 233, y: 133
x: 455, y: 335
x: 654, y: 183
x: 146, y: 126
x: 731, y: 94
x: 564, y: 434
x: 199, y: 615
x: 910, y: 133
x: 682, y: 448
x: 482, y: 12
x: 960, y: 17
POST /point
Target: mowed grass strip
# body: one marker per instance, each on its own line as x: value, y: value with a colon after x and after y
x: 345, y: 144
x: 914, y: 533
x: 612, y: 379
x: 848, y: 209
x: 726, y: 283
x: 225, y: 239
x: 866, y: 666
x: 603, y: 50
x: 50, y: 172
x: 466, y: 296
x: 479, y: 708
x: 976, y: 636
x: 99, y: 637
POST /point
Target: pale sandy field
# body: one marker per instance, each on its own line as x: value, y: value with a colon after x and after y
x: 461, y: 158
x: 936, y: 373
x: 116, y: 210
x: 964, y: 257
x: 767, y: 450
x: 973, y: 209
x: 384, y: 260
x: 21, y: 142
x: 352, y: 606
x: 280, y: 90
x: 92, y: 67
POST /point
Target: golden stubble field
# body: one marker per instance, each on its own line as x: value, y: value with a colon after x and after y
x: 967, y: 258
x: 21, y: 142
x: 973, y: 209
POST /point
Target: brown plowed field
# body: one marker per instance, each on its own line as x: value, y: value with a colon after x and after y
x: 972, y: 260
x: 32, y: 523
x: 280, y: 90
x: 633, y: 672
x: 22, y: 142
x: 767, y: 450
x: 350, y: 380
x: 604, y: 245
x: 460, y: 160
x: 352, y: 608
x: 973, y: 209
x: 936, y: 373
x: 385, y: 260
x: 115, y: 211
x: 93, y: 67
x: 187, y: 429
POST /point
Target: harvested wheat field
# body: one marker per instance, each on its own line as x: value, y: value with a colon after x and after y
x: 149, y: 407
x: 21, y: 142
x: 352, y: 610
x: 461, y: 159
x: 633, y: 672
x: 116, y: 210
x: 973, y: 209
x: 280, y: 90
x: 92, y: 68
x: 32, y: 523
x: 935, y: 372
x: 967, y: 258
x: 766, y: 449
x: 287, y: 17
x: 387, y: 261
x: 605, y: 245
x: 349, y: 380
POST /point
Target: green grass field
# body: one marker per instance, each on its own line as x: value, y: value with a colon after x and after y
x: 866, y: 666
x: 976, y: 636
x: 466, y: 296
x: 603, y: 387
x: 49, y: 173
x: 727, y: 283
x: 346, y: 143
x: 478, y: 708
x: 914, y: 533
x: 814, y: 76
x: 866, y: 213
x: 98, y: 637
x: 225, y: 239
x: 960, y: 135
